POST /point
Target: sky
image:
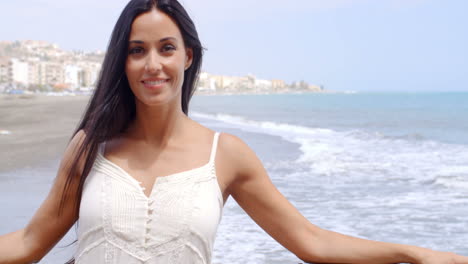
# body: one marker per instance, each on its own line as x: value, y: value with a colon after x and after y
x: 360, y: 45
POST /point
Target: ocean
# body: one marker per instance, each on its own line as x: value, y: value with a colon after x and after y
x: 390, y: 167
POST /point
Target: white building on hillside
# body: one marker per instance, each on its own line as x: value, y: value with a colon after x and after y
x: 5, y: 70
x: 73, y: 76
x: 20, y: 71
x: 263, y: 84
x: 89, y: 74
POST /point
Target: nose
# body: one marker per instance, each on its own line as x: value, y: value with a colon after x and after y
x: 153, y: 63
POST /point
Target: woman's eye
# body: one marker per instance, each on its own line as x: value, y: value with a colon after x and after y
x: 168, y: 48
x: 135, y: 51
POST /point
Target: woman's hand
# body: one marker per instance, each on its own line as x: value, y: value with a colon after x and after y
x: 437, y: 257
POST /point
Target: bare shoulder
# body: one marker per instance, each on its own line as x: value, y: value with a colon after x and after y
x: 232, y: 144
x: 79, y: 137
x: 238, y: 157
x: 77, y: 140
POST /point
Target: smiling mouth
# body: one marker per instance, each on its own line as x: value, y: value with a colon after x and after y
x: 154, y: 83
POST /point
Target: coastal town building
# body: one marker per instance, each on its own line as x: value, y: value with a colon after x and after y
x: 263, y: 85
x: 72, y: 76
x: 278, y: 85
x: 5, y: 70
x: 53, y: 73
x: 89, y: 73
x: 206, y: 83
x: 34, y: 71
x: 315, y: 88
x: 19, y: 71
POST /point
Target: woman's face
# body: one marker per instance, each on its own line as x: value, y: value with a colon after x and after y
x: 157, y: 59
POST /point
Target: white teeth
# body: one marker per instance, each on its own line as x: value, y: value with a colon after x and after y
x: 155, y: 82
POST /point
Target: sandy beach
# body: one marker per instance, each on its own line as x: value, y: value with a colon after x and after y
x: 36, y: 128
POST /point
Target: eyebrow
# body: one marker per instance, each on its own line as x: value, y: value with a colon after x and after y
x: 161, y: 40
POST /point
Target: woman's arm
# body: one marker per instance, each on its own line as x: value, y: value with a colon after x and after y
x: 253, y: 190
x: 46, y: 227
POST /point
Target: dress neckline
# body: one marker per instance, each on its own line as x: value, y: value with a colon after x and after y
x: 159, y: 179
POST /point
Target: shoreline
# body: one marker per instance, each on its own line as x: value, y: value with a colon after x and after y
x: 205, y: 92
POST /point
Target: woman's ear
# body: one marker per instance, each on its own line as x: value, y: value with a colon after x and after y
x: 188, y: 58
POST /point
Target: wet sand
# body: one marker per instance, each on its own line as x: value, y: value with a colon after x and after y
x: 36, y: 128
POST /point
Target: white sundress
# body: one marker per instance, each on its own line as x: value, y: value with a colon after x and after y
x: 177, y: 223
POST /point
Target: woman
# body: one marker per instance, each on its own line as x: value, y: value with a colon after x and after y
x: 147, y: 184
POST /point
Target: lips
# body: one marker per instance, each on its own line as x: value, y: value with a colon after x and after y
x: 154, y: 83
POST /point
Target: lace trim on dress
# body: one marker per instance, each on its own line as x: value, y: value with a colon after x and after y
x: 110, y: 254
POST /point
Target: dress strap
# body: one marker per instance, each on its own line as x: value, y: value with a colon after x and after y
x: 214, y: 147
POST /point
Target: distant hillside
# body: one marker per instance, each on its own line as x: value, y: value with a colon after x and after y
x: 45, y: 51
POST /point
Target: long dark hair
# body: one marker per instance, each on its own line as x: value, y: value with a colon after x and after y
x: 112, y: 106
